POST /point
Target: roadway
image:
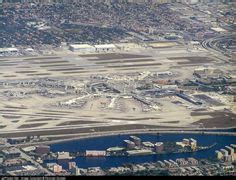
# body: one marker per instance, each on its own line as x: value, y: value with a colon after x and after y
x: 212, y: 45
x: 29, y: 159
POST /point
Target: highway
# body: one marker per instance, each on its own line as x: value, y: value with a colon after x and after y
x: 29, y: 159
x: 212, y: 45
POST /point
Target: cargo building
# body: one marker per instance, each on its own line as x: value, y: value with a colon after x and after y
x: 82, y: 48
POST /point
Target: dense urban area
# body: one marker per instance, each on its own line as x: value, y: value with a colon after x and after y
x: 33, y: 160
x: 92, y: 68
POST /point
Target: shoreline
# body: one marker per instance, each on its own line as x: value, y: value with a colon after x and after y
x: 55, y: 139
x: 75, y: 137
x: 138, y: 133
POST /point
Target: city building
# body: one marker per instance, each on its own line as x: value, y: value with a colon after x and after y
x: 54, y: 167
x: 115, y: 149
x: 168, y: 164
x: 10, y: 153
x: 82, y: 48
x: 105, y: 48
x: 182, y: 162
x: 224, y: 152
x: 76, y: 171
x: 139, y: 152
x: 186, y: 142
x: 147, y: 144
x: 50, y: 165
x: 2, y: 141
x: 42, y: 149
x: 193, y: 144
x: 219, y: 155
x: 72, y: 165
x: 159, y: 147
x: 230, y: 150
x: 137, y: 141
x: 127, y: 46
x: 1, y: 159
x: 234, y: 147
x: 16, y: 140
x: 226, y: 156
x: 63, y: 156
x: 95, y: 153
x: 173, y: 162
x: 192, y: 161
x: 129, y: 144
x: 57, y: 168
x: 160, y: 163
x: 8, y: 50
x: 29, y: 149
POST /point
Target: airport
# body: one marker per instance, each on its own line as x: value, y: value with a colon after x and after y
x: 107, y: 69
x: 135, y: 88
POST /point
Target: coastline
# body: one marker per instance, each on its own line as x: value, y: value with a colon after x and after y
x: 55, y: 139
x: 106, y: 134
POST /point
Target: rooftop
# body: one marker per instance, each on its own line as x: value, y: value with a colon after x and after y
x: 224, y: 151
x: 115, y: 149
x: 102, y: 46
x: 143, y: 151
x: 28, y: 149
x: 159, y: 144
x: 230, y: 148
x: 8, y: 49
x: 148, y: 144
x: 81, y: 46
x: 10, y: 151
x: 128, y: 141
x: 135, y: 137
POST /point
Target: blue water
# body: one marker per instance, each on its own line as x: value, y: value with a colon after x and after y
x: 102, y: 143
x: 221, y: 130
